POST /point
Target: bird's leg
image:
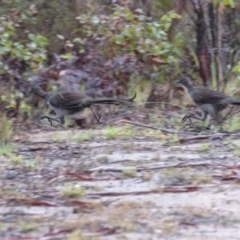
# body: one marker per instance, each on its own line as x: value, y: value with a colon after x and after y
x: 188, y: 117
x: 217, y: 117
x: 195, y: 116
x: 49, y: 119
x: 62, y: 120
x: 97, y: 118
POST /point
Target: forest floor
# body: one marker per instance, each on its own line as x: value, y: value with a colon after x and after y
x: 123, y: 182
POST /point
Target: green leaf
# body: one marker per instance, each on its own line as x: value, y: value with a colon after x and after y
x: 31, y: 36
x: 78, y: 40
x: 60, y: 37
x: 173, y: 15
x: 95, y: 20
x: 236, y: 69
x: 11, y: 27
x: 231, y: 3
x: 67, y: 55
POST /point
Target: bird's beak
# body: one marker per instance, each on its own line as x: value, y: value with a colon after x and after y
x: 29, y: 91
x: 177, y: 82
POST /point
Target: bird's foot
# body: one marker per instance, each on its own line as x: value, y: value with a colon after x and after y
x: 49, y: 119
x: 99, y: 119
x: 187, y: 117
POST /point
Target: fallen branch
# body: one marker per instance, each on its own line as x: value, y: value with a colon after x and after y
x: 203, y: 137
x: 31, y: 202
x: 147, y: 126
x: 230, y: 113
x: 79, y: 176
x: 233, y: 175
x: 140, y: 169
x: 171, y: 189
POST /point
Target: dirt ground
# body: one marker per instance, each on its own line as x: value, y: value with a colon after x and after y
x: 123, y: 182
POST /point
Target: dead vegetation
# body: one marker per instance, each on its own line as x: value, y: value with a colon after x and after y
x: 122, y: 181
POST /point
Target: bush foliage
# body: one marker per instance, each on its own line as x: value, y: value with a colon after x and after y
x: 158, y: 36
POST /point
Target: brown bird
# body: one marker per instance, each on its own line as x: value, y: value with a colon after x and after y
x: 208, y: 101
x: 69, y: 103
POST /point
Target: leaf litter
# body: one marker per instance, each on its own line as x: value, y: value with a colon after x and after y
x: 120, y: 188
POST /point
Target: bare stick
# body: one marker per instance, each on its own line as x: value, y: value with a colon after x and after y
x: 203, y: 137
x: 230, y: 113
x: 147, y: 126
x: 168, y: 189
x: 141, y: 169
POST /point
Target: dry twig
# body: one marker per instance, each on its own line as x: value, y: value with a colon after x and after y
x: 147, y: 126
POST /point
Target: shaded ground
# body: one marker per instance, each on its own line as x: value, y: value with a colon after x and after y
x: 120, y: 183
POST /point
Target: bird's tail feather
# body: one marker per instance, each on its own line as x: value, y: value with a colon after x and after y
x: 126, y: 101
x: 235, y: 102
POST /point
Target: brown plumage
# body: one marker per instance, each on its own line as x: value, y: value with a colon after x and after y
x: 68, y: 103
x: 209, y: 101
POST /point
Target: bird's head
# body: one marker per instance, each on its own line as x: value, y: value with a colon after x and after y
x: 185, y: 81
x: 35, y: 89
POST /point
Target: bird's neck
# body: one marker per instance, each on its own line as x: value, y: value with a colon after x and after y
x: 188, y: 86
x: 42, y: 94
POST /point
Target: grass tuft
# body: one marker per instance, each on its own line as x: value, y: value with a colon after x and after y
x: 72, y: 191
x: 5, y: 130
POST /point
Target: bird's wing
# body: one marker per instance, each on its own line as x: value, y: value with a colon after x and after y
x: 206, y: 96
x: 67, y: 100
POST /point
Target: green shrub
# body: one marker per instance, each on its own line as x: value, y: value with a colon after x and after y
x: 5, y: 130
x: 132, y: 32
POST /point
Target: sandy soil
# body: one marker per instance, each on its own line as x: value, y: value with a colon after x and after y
x: 120, y: 183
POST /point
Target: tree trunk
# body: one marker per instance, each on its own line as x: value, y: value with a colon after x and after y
x: 202, y: 49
